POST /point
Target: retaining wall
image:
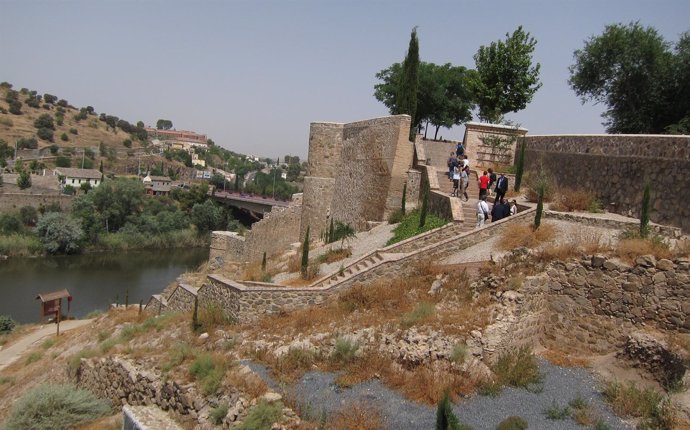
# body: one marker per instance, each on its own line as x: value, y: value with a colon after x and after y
x: 615, y: 167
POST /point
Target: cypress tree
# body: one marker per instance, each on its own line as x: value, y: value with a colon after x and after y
x: 540, y: 207
x: 305, y: 255
x: 520, y: 167
x: 407, y: 90
x: 403, y: 198
x: 195, y: 315
x: 425, y: 207
x: 644, y: 213
x: 263, y: 263
x: 445, y: 418
x: 331, y: 233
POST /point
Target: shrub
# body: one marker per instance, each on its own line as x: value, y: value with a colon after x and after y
x: 45, y: 134
x: 459, y: 353
x: 55, y: 407
x: 15, y: 107
x: 217, y: 414
x: 127, y: 143
x: 74, y: 131
x: 33, y: 357
x: 27, y: 143
x: 44, y: 121
x: 555, y: 412
x: 345, y: 350
x: 629, y: 249
x: 262, y: 416
x: 209, y: 369
x: 396, y: 216
x: 10, y: 224
x: 409, y: 226
x: 516, y: 368
x: 513, y: 423
x: 24, y: 180
x: 64, y: 137
x: 655, y: 410
x: 62, y: 161
x: 59, y: 233
x: 7, y: 324
x: 422, y: 311
x: 570, y: 200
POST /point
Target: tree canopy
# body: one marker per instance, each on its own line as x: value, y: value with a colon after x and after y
x: 444, y: 93
x: 507, y: 79
x: 164, y: 124
x: 644, y: 84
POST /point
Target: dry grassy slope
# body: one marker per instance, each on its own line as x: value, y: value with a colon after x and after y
x: 91, y: 132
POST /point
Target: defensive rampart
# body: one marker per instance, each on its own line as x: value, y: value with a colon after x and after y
x: 14, y: 201
x: 615, y: 168
x: 356, y: 171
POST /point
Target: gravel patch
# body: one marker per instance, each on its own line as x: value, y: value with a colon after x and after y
x: 318, y: 395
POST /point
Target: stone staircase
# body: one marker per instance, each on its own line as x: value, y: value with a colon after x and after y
x: 469, y: 207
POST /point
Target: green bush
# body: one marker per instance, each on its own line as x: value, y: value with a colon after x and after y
x: 59, y: 233
x: 29, y: 215
x: 55, y: 407
x: 45, y: 134
x: 64, y: 137
x: 421, y: 311
x: 445, y: 418
x: 555, y: 412
x: 262, y: 416
x: 7, y: 324
x: 512, y: 423
x: 515, y: 368
x: 217, y: 414
x: 396, y: 216
x: 345, y: 350
x: 44, y: 121
x: 459, y: 353
x: 209, y: 370
x: 409, y: 226
x: 10, y: 224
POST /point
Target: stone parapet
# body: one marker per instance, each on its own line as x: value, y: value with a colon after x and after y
x: 616, y: 167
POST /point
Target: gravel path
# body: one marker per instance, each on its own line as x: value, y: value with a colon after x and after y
x: 318, y: 396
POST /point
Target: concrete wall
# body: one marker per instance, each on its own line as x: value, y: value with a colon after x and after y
x: 615, y: 167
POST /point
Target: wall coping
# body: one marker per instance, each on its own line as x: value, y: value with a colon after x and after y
x: 668, y: 136
x: 486, y: 125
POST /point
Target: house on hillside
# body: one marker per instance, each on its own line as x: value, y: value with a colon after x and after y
x: 77, y: 177
x: 157, y: 185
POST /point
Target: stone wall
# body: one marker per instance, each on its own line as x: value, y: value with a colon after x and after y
x: 615, y: 167
x: 122, y: 382
x: 278, y: 229
x: 356, y: 171
x: 247, y: 301
x: 414, y: 182
x: 12, y: 202
x: 479, y: 150
x: 181, y: 299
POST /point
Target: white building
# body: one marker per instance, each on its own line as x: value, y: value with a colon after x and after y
x: 76, y: 177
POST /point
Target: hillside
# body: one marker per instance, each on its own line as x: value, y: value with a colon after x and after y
x: 76, y: 131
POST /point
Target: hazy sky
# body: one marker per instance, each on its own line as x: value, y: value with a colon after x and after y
x: 253, y: 74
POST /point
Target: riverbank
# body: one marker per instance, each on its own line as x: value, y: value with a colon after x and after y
x: 29, y: 245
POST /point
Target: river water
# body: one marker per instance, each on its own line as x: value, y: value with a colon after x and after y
x: 93, y: 280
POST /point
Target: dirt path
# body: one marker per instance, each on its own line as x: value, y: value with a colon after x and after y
x: 11, y: 353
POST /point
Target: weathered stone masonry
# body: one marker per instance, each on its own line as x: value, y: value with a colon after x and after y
x: 615, y: 168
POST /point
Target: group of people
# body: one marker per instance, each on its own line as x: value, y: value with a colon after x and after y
x: 459, y: 173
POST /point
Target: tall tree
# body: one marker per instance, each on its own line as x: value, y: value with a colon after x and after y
x: 407, y: 96
x: 632, y: 70
x: 507, y: 79
x: 444, y: 93
x: 164, y: 124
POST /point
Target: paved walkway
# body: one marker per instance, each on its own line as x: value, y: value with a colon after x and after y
x: 10, y: 354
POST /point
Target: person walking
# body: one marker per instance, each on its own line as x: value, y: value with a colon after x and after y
x: 482, y: 211
x: 452, y: 163
x: 456, y: 180
x: 460, y: 149
x: 492, y: 181
x: 465, y: 179
x: 483, y: 184
x: 501, y: 187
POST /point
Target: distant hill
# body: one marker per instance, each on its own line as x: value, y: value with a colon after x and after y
x: 102, y: 137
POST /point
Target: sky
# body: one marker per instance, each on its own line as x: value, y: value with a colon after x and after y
x: 254, y: 74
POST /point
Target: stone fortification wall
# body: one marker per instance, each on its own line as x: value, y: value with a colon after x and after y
x: 278, y: 229
x: 615, y: 167
x: 316, y: 205
x: 247, y: 301
x: 479, y: 150
x: 414, y: 182
x: 181, y: 299
x: 274, y: 233
x: 356, y: 171
x: 12, y: 202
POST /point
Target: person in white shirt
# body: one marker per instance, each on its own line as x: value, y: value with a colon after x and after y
x: 513, y: 207
x: 482, y: 211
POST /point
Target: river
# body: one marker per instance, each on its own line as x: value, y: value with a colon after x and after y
x: 93, y: 280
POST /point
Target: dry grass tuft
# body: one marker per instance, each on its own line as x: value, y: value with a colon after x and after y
x: 562, y: 359
x: 570, y: 200
x: 333, y: 255
x: 524, y: 236
x: 357, y: 416
x: 629, y: 249
x: 248, y: 383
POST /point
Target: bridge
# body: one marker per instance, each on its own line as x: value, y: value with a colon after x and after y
x: 255, y: 205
